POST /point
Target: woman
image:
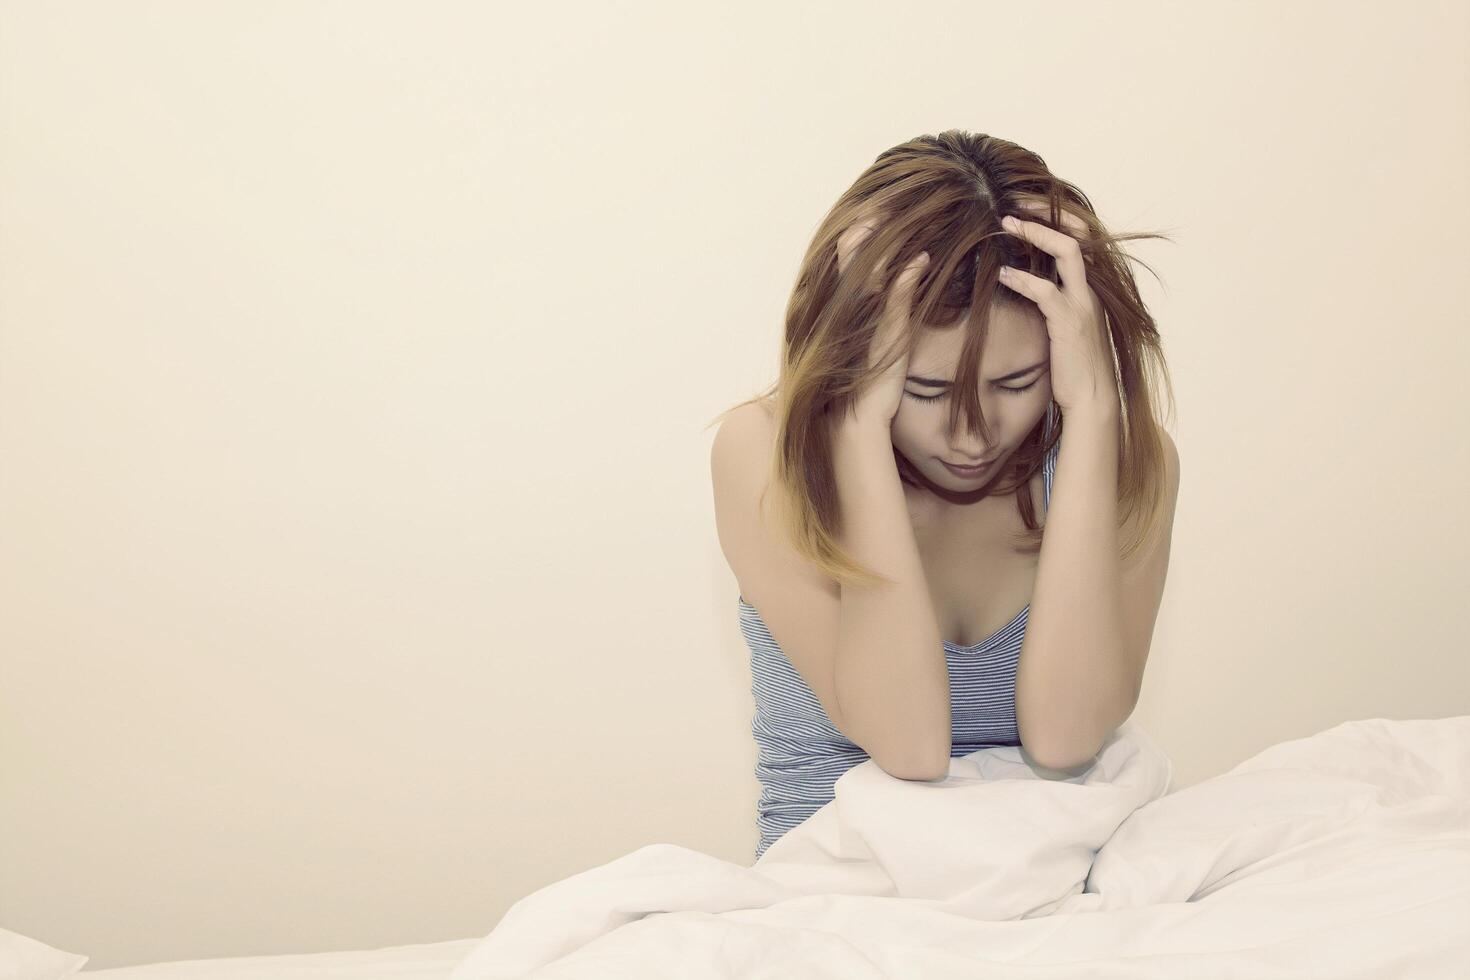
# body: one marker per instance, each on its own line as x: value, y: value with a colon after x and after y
x: 879, y: 584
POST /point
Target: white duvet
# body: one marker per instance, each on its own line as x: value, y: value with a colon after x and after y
x: 1341, y: 855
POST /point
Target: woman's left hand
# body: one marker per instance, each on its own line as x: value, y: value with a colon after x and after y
x: 1082, y: 377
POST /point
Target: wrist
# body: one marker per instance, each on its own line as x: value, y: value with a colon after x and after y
x: 864, y: 429
x: 1100, y: 414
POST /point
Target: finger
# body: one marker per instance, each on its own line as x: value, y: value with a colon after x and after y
x: 845, y: 259
x: 1042, y: 292
x: 901, y: 295
x: 850, y: 239
x: 897, y: 305
x: 1075, y: 226
x: 1061, y: 246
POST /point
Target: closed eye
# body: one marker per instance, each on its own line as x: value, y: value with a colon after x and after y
x: 945, y: 394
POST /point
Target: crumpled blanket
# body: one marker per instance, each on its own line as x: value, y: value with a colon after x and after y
x: 1345, y: 854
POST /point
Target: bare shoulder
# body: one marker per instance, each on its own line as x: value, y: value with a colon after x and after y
x: 740, y: 458
x: 1170, y: 475
x: 740, y: 455
x: 1168, y: 499
x: 795, y: 599
x: 1171, y: 457
x: 746, y: 516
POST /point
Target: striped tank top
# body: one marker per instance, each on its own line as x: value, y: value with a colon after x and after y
x: 802, y: 754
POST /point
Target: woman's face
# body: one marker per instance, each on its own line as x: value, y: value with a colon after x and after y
x: 1015, y: 391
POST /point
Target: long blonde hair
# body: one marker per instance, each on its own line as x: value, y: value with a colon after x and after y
x: 946, y: 195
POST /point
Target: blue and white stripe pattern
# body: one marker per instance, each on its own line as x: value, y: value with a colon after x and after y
x: 801, y: 753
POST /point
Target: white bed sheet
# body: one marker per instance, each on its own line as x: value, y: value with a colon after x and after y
x: 422, y: 961
x: 1345, y: 855
x: 1342, y: 855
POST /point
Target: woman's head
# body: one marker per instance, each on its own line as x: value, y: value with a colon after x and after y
x: 945, y: 195
x: 1013, y: 391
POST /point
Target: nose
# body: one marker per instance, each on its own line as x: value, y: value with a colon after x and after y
x: 970, y: 452
x: 967, y: 452
x: 965, y: 443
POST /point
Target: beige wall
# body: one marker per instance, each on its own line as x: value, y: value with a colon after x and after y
x: 313, y: 636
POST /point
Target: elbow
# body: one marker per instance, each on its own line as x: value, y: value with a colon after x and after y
x: 1060, y: 761
x: 1065, y: 748
x: 931, y: 775
x: 926, y: 770
x: 915, y: 775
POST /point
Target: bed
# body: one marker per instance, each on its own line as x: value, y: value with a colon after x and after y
x: 427, y: 961
x: 1343, y: 854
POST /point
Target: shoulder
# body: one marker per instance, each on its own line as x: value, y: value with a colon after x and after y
x: 1171, y: 462
x: 750, y: 522
x: 1168, y: 497
x: 1168, y: 476
x: 740, y: 471
x: 742, y: 441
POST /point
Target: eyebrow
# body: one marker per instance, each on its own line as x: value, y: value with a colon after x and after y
x: 938, y: 383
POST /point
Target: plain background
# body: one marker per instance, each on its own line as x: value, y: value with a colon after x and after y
x: 359, y: 565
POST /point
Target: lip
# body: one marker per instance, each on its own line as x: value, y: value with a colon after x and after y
x: 968, y: 471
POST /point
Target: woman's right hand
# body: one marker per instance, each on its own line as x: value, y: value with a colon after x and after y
x: 878, y: 403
